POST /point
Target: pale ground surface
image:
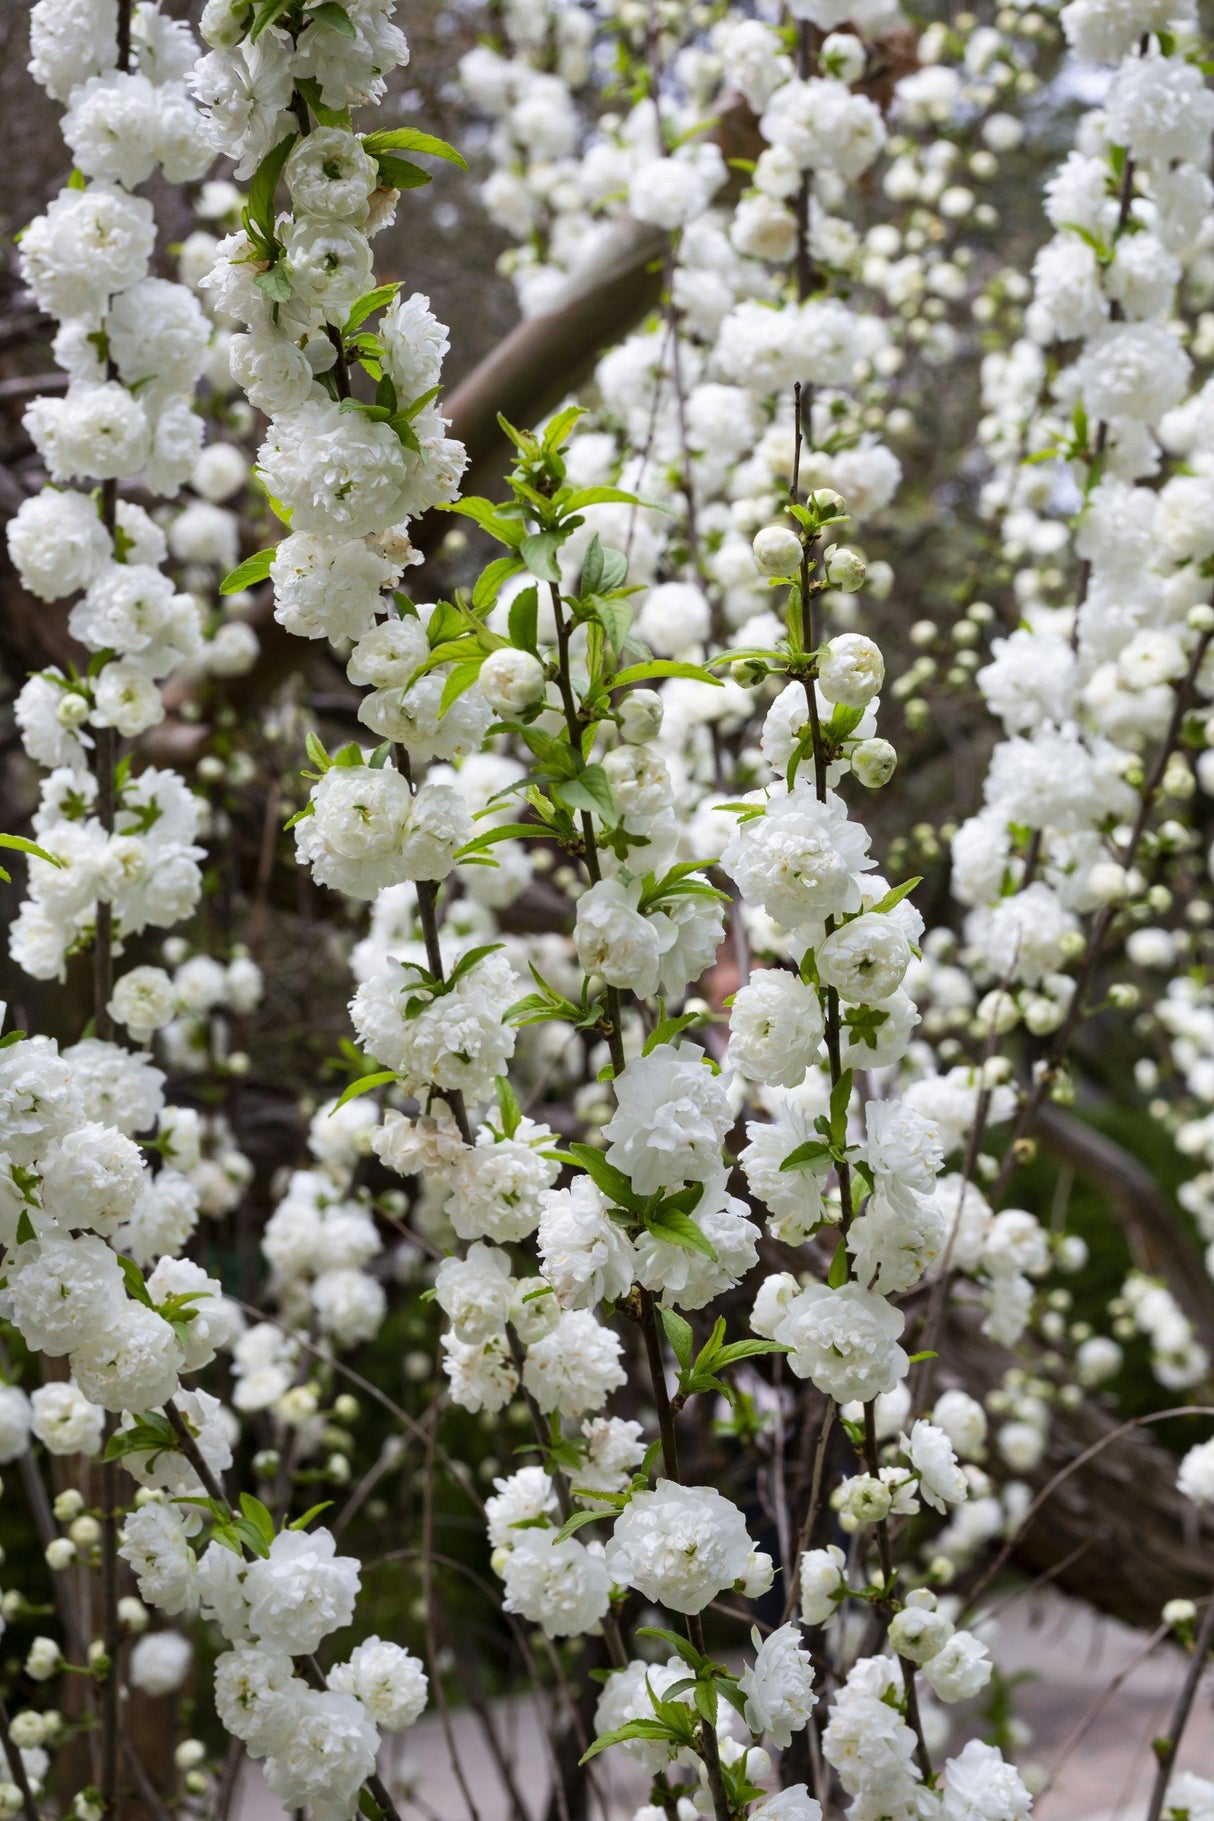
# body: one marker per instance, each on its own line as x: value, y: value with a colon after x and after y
x: 1106, y: 1776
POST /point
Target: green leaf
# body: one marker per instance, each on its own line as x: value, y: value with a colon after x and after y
x: 25, y: 1228
x: 614, y: 615
x: 409, y: 139
x: 667, y: 1030
x: 602, y: 569
x: 275, y: 284
x: 662, y: 667
x: 590, y: 790
x: 576, y: 1522
x: 151, y: 1434
x: 614, y: 1184
x: 501, y: 831
x: 316, y: 752
x: 468, y: 961
x: 685, y: 1648
x: 679, y: 1230
x: 840, y: 1100
x: 812, y: 1152
x: 484, y: 513
x: 133, y: 1278
x: 335, y: 17
x: 508, y: 1106
x: 894, y: 897
x: 927, y: 1354
x: 385, y: 394
x: 364, y: 1085
x: 20, y: 845
x: 679, y: 1334
x: 592, y: 567
x: 745, y: 1349
x: 604, y: 496
x: 843, y: 722
x: 313, y: 1511
x: 309, y: 88
x: 460, y: 679
x: 399, y: 174
x: 265, y: 15
x: 251, y: 1536
x: 264, y: 186
x: 491, y: 579
x: 524, y: 619
x: 367, y: 305
x: 538, y: 551
x: 78, y: 181
x: 257, y: 1515
x: 254, y: 569
x: 836, y: 1277
x: 633, y: 1729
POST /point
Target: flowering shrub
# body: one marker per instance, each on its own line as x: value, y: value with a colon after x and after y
x: 665, y: 1094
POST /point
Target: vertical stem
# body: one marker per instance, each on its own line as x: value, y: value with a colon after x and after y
x: 885, y: 1555
x: 708, y: 1737
x: 657, y: 1374
x: 1169, y: 1745
x: 806, y: 1538
x: 111, y: 1640
x: 648, y: 1319
x: 427, y: 911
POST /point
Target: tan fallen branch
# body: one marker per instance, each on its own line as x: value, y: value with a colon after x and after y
x: 1165, y: 1247
x: 1133, y: 1540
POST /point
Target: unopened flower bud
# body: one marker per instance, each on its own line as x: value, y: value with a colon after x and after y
x: 919, y: 1634
x: 297, y: 1404
x: 826, y: 503
x: 190, y: 1754
x: 68, y: 1505
x: 759, y: 1574
x: 43, y: 1659
x: 640, y: 716
x: 845, y: 569
x: 85, y: 1531
x: 511, y: 680
x: 868, y: 1499
x: 777, y: 551
x: 60, y: 1553
x: 850, y: 670
x: 873, y: 763
x: 73, y: 709
x: 842, y: 56
x: 28, y: 1729
x: 132, y: 1615
x: 1107, y: 881
x: 748, y: 673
